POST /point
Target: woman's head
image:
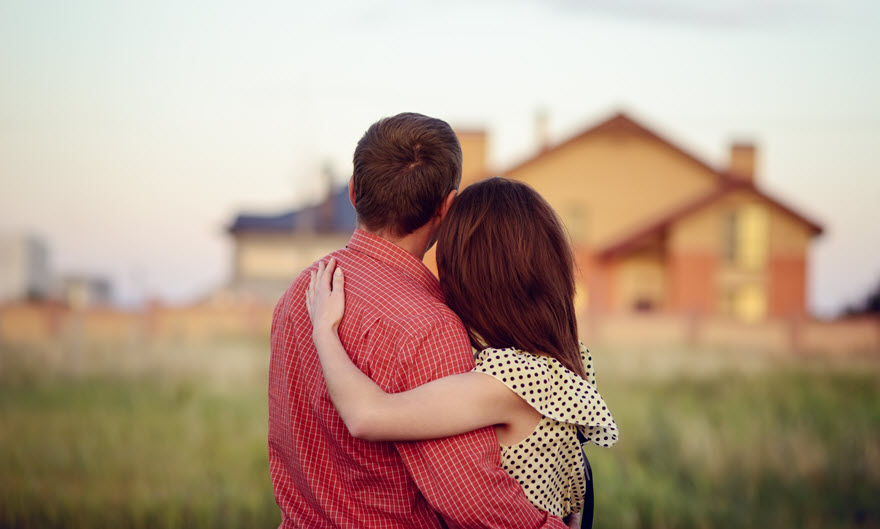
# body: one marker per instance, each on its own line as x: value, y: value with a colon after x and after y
x: 506, y: 268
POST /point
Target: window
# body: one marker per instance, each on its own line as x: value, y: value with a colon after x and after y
x: 746, y: 302
x: 745, y: 237
x: 729, y: 237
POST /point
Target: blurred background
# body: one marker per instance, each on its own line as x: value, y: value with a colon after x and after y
x: 166, y: 168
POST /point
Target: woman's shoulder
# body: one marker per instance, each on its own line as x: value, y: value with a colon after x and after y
x: 504, y: 356
x: 510, y: 358
x: 539, y: 379
x: 517, y: 360
x: 529, y: 376
x: 548, y: 386
x: 519, y: 369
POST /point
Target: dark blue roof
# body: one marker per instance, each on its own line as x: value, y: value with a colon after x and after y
x: 333, y: 214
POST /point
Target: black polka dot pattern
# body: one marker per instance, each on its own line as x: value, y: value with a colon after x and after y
x: 549, y: 463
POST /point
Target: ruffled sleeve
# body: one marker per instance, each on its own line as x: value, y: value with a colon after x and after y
x: 553, y: 390
x: 587, y: 359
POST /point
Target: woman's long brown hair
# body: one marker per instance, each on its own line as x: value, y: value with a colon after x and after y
x: 506, y: 268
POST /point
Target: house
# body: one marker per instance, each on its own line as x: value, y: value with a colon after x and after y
x: 656, y: 229
x: 270, y: 250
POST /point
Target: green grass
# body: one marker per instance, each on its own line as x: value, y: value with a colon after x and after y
x: 781, y: 447
x: 138, y: 453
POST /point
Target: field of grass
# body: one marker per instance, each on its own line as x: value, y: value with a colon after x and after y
x: 177, y: 439
x: 783, y: 444
x: 779, y: 449
x: 138, y: 453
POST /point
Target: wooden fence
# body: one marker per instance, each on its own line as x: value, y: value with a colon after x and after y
x: 29, y: 323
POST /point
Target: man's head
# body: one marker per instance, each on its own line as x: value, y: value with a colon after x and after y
x: 404, y: 168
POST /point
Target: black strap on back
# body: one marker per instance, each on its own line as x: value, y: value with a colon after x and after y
x: 587, y: 515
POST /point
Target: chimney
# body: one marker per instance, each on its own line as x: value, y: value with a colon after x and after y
x: 542, y: 129
x: 473, y: 150
x: 742, y: 160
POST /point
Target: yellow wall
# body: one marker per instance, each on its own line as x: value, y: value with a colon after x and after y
x: 281, y: 256
x: 703, y: 230
x: 605, y: 185
x: 699, y: 232
x: 788, y: 237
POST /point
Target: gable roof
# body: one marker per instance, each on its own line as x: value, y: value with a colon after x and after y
x: 660, y: 225
x: 333, y: 215
x: 617, y: 123
x: 620, y: 122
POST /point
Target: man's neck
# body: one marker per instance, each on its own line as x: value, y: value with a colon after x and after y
x: 415, y: 243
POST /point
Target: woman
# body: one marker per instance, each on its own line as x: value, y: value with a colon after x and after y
x: 506, y: 268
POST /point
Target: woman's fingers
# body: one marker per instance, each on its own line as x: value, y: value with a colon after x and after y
x: 323, y: 282
x: 323, y: 276
x: 327, y: 278
x: 319, y: 279
x: 310, y: 291
x: 338, y: 281
x: 325, y: 295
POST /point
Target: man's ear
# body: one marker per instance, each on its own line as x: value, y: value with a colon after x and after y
x: 351, y: 191
x: 446, y: 204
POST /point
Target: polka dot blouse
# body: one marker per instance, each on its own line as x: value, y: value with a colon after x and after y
x: 549, y: 463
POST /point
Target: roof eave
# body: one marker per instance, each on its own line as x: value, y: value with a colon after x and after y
x: 662, y: 225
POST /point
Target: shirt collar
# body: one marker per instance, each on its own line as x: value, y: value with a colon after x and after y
x: 395, y: 256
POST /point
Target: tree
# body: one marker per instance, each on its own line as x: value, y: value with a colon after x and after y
x: 869, y: 306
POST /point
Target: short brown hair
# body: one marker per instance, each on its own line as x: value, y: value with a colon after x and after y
x: 404, y: 166
x: 507, y: 269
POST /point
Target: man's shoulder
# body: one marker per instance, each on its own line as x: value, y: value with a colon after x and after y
x: 378, y: 290
x: 301, y: 280
x: 415, y: 318
x: 399, y: 303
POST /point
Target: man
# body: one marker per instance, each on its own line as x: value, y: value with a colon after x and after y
x: 407, y: 170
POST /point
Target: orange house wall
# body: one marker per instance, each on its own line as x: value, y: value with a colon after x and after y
x: 787, y: 295
x: 599, y: 279
x: 692, y: 282
x: 787, y: 267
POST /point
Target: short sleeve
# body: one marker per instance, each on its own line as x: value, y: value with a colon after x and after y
x: 553, y: 390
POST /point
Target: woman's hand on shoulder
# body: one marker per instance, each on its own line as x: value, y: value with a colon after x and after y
x: 325, y: 297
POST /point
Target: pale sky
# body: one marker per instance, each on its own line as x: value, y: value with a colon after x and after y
x: 132, y: 132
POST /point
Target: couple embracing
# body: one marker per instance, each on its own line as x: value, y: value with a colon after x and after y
x: 400, y: 401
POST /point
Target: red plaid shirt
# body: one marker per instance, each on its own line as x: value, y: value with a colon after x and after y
x: 398, y: 331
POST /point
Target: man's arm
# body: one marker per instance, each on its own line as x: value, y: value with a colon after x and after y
x: 461, y: 476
